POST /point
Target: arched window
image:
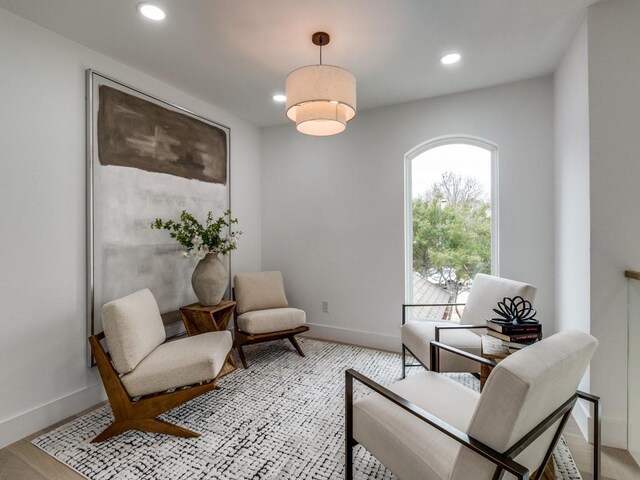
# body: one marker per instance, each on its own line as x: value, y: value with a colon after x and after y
x: 451, y: 221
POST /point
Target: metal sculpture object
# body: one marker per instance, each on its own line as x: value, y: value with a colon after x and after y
x: 515, y: 311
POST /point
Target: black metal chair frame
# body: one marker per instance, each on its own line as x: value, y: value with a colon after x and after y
x: 405, y: 349
x: 504, y: 461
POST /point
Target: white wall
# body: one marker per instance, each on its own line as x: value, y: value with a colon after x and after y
x: 572, y: 213
x: 614, y: 115
x: 332, y: 217
x: 43, y: 374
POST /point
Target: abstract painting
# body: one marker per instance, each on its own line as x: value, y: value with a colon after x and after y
x: 146, y: 158
x: 133, y: 132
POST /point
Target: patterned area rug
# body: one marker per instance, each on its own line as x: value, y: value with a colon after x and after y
x: 280, y: 419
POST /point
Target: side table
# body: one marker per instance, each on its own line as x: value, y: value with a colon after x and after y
x: 492, y: 349
x: 199, y: 319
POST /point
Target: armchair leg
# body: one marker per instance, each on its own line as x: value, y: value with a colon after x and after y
x: 597, y: 415
x: 348, y: 466
x: 242, y: 358
x: 295, y: 344
x: 155, y: 425
x: 348, y: 421
x: 404, y: 362
x: 151, y: 425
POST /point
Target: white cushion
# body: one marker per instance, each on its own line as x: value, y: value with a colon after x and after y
x: 486, y: 292
x: 259, y: 291
x: 412, y: 449
x: 179, y: 363
x: 133, y: 328
x: 523, y: 390
x: 417, y: 335
x: 273, y: 320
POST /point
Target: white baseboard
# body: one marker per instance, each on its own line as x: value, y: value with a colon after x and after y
x: 27, y: 423
x: 613, y: 432
x: 355, y: 337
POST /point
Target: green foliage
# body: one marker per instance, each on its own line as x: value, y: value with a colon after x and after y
x: 450, y: 237
x: 190, y: 233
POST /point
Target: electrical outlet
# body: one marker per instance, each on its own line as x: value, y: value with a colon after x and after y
x: 325, y: 306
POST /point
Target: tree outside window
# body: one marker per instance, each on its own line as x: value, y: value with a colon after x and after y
x: 451, y: 218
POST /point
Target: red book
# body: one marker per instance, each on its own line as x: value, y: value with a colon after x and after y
x: 516, y: 337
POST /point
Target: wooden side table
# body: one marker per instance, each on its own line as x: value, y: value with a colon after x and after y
x: 199, y: 319
x: 492, y: 349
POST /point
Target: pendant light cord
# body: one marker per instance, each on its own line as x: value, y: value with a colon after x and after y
x: 321, y: 54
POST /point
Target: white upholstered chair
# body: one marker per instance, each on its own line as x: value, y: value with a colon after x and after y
x: 263, y: 313
x: 144, y: 376
x: 485, y: 293
x: 429, y: 427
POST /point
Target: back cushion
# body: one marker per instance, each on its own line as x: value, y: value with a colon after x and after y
x: 523, y: 390
x: 133, y: 328
x: 259, y: 291
x: 485, y: 294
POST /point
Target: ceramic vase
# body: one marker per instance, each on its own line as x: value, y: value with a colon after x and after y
x: 209, y: 280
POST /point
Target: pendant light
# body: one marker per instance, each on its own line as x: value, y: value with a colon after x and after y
x: 321, y: 99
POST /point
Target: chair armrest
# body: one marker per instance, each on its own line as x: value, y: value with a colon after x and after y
x: 435, y: 355
x: 499, y: 459
x: 435, y: 358
x: 456, y: 327
x: 410, y: 305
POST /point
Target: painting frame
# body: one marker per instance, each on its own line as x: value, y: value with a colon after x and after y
x: 95, y: 203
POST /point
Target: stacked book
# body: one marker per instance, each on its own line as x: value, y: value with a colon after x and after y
x: 513, y: 336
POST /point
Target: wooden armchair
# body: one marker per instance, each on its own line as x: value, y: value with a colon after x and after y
x: 145, y: 377
x: 263, y: 312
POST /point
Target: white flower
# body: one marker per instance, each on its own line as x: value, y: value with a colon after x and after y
x: 202, y: 252
x: 197, y: 241
x: 198, y: 251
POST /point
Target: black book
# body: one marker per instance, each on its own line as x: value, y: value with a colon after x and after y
x: 511, y: 329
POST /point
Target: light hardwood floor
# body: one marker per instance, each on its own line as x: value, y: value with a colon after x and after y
x: 616, y: 464
x: 23, y: 461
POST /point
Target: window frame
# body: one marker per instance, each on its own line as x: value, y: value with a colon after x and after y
x: 408, y: 199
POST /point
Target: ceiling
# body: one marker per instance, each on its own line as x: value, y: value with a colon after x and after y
x: 237, y: 53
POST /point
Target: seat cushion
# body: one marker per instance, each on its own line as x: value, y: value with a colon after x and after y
x: 411, y: 449
x: 417, y: 336
x: 179, y: 363
x: 274, y: 320
x: 259, y: 291
x: 133, y: 328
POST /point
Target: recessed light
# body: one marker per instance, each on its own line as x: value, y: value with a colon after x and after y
x: 151, y: 11
x: 450, y: 58
x: 278, y: 97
